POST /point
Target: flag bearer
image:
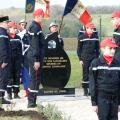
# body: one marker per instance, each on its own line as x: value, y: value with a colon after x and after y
x: 87, y: 50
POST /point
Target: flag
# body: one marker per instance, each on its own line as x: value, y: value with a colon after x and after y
x: 30, y: 5
x: 47, y: 10
x: 76, y: 8
x: 45, y: 5
x: 85, y: 17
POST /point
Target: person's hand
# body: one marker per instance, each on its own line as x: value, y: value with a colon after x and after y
x: 36, y: 65
x: 95, y: 109
x: 3, y: 65
x: 119, y: 108
x: 81, y: 62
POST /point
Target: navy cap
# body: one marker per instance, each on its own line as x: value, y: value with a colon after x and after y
x: 4, y: 19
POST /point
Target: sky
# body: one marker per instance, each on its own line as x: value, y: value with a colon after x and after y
x: 21, y: 3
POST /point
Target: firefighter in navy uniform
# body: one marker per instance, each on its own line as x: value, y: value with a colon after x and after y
x: 53, y: 27
x: 16, y: 61
x: 116, y: 34
x: 4, y: 58
x: 105, y: 82
x: 87, y: 50
x: 23, y: 33
x: 35, y: 56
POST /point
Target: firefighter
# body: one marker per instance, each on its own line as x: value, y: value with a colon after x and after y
x: 105, y: 82
x: 35, y: 56
x: 4, y: 58
x: 16, y: 61
x: 87, y: 50
x: 116, y: 35
x: 22, y: 32
x: 53, y: 27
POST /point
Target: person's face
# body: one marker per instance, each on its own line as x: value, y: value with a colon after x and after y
x: 39, y: 18
x: 108, y: 51
x: 12, y: 30
x: 22, y: 26
x: 115, y: 21
x: 5, y: 25
x: 53, y: 29
x: 89, y: 31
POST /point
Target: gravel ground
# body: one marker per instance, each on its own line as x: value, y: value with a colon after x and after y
x: 75, y: 107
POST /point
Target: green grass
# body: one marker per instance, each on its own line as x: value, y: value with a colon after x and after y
x: 76, y: 71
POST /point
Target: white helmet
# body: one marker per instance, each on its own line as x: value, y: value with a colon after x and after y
x: 22, y: 21
x: 53, y: 24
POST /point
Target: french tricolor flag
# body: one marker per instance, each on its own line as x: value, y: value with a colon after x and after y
x: 76, y: 8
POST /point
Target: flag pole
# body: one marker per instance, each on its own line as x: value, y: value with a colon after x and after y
x: 25, y: 11
x: 61, y: 24
x: 100, y: 20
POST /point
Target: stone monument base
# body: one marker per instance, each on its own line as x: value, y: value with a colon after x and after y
x: 56, y: 91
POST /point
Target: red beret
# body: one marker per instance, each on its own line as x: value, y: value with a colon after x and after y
x: 90, y: 25
x: 115, y: 14
x: 38, y: 12
x: 108, y: 42
x: 12, y: 24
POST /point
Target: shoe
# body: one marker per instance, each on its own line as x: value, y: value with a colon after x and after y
x: 85, y: 92
x: 4, y: 101
x: 31, y: 105
x: 9, y: 96
x: 16, y: 96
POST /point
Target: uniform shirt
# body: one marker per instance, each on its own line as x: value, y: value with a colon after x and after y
x: 105, y: 78
x: 36, y: 41
x: 16, y: 46
x: 25, y: 41
x: 88, y: 48
x: 4, y: 46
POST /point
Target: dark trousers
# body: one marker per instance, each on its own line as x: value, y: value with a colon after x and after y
x: 107, y: 109
x: 86, y: 65
x: 35, y: 78
x: 4, y: 77
x: 15, y: 75
x: 117, y: 54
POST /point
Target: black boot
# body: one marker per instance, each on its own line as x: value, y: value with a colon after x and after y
x: 31, y: 105
x: 85, y: 91
x: 16, y: 96
x: 9, y: 96
x: 31, y: 100
x: 4, y: 101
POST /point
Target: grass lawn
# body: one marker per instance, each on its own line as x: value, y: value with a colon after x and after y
x: 76, y: 70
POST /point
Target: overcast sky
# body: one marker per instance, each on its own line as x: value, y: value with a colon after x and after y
x: 21, y: 3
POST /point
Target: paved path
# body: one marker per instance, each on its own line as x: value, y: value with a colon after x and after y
x: 75, y: 107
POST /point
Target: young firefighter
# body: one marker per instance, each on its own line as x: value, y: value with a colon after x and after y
x: 35, y: 56
x: 87, y: 50
x: 16, y: 59
x: 22, y: 32
x: 105, y: 82
x: 116, y: 35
